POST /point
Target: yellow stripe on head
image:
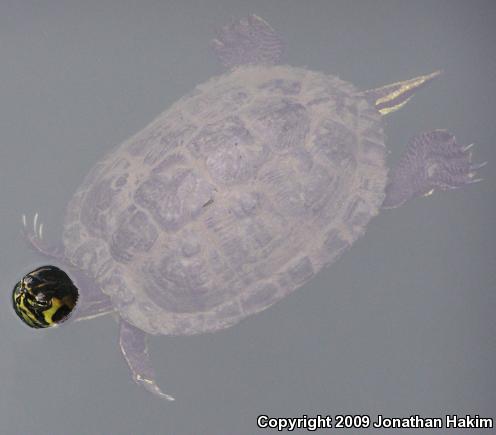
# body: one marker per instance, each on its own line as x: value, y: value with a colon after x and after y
x: 25, y: 311
x: 44, y: 297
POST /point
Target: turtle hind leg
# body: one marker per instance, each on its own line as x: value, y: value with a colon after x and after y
x: 134, y: 348
x: 433, y: 160
x: 249, y: 41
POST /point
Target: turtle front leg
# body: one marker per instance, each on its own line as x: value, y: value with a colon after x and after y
x: 433, y: 160
x: 134, y: 348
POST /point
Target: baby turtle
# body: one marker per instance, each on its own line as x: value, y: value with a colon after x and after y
x: 231, y: 199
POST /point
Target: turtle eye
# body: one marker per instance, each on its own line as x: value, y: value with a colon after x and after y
x: 44, y: 297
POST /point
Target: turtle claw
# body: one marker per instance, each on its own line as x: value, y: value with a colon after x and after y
x: 35, y: 223
x: 153, y: 388
x: 477, y: 166
x: 34, y: 237
x: 475, y: 180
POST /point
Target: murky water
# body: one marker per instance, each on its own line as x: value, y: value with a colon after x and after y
x: 403, y: 324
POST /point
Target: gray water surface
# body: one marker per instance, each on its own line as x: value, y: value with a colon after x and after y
x: 403, y: 324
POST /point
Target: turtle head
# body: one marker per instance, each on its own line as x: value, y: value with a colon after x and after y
x: 44, y: 297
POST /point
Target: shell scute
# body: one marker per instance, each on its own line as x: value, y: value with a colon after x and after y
x: 183, y: 284
x: 357, y: 214
x: 228, y: 164
x: 169, y: 141
x: 135, y: 235
x: 297, y: 273
x: 334, y: 245
x: 225, y: 133
x: 282, y: 123
x: 262, y: 296
x: 174, y: 200
x: 336, y: 142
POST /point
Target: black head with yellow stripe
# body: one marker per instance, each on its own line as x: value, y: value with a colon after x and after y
x: 44, y: 297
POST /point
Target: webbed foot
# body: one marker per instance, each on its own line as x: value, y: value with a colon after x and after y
x: 133, y: 345
x: 249, y: 41
x: 433, y: 160
x: 33, y: 233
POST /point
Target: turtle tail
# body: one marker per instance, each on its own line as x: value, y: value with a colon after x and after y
x: 389, y: 98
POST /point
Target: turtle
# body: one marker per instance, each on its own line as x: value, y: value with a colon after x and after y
x: 234, y: 197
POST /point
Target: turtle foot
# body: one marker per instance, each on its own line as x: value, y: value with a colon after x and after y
x: 133, y: 346
x: 33, y: 234
x: 249, y: 41
x: 433, y: 160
